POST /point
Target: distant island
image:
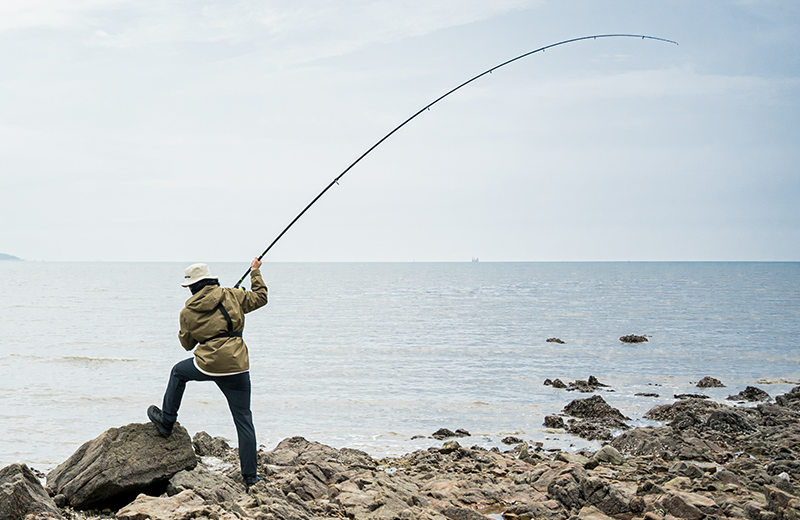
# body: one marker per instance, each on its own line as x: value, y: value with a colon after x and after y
x: 4, y: 256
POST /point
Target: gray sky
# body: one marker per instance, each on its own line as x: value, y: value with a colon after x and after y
x: 195, y: 131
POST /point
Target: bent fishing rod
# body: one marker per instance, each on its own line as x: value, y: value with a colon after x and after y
x: 427, y: 107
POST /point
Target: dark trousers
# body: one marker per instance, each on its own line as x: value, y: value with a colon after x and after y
x: 237, y: 391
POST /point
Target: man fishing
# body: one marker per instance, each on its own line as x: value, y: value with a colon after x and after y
x: 212, y: 321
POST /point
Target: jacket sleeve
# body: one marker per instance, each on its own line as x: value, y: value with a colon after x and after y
x: 186, y: 339
x: 256, y: 297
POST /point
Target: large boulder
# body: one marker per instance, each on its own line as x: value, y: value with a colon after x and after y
x: 22, y: 494
x: 119, y: 464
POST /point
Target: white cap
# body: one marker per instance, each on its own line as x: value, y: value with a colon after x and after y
x: 196, y: 272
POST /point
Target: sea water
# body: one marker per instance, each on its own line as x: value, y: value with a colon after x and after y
x: 372, y: 355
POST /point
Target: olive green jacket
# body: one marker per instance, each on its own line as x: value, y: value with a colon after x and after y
x: 202, y: 321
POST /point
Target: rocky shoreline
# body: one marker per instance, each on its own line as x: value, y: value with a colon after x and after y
x: 708, y: 460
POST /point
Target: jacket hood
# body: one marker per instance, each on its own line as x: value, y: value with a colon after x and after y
x: 206, y: 300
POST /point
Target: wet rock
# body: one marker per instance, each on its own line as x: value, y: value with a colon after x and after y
x: 752, y: 394
x: 690, y: 396
x: 594, y: 429
x: 557, y: 383
x: 122, y: 462
x: 591, y: 385
x: 598, y: 418
x: 206, y: 446
x: 633, y: 338
x: 710, y: 382
x: 686, y: 420
x: 444, y: 433
x: 790, y: 399
x: 555, y: 340
x: 646, y: 394
x: 669, y: 412
x: 553, y: 421
x: 22, y: 494
x: 512, y: 440
x: 594, y: 407
x: 594, y: 382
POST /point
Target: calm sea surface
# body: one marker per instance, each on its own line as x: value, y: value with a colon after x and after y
x: 370, y: 355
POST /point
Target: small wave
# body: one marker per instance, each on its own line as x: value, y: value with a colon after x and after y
x: 98, y: 360
x: 779, y: 381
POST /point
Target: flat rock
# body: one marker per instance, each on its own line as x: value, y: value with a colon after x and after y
x: 572, y: 458
x: 22, y: 494
x: 690, y: 396
x: 592, y: 513
x: 183, y: 506
x: 122, y: 462
x: 634, y: 338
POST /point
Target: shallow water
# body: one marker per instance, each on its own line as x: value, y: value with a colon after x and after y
x: 369, y: 355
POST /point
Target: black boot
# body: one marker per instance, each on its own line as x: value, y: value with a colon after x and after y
x: 154, y: 414
x: 251, y: 481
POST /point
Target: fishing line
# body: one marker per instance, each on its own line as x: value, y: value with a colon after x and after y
x: 427, y: 107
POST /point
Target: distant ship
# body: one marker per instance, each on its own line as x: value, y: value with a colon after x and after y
x: 474, y: 258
